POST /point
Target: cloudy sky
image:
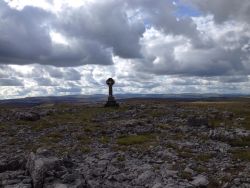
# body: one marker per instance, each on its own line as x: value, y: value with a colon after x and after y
x: 62, y: 47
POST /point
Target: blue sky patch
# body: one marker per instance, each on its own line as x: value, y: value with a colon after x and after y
x: 183, y: 10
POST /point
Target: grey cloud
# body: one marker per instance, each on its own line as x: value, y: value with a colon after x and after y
x: 186, y: 81
x: 25, y: 39
x: 94, y: 32
x: 72, y: 74
x: 197, y: 63
x: 75, y: 90
x: 83, y: 52
x: 161, y: 15
x: 224, y: 55
x: 5, y: 71
x: 103, y: 29
x: 44, y: 81
x: 107, y: 24
x: 10, y: 82
x: 224, y: 10
x: 66, y: 73
x: 233, y: 79
x: 55, y: 72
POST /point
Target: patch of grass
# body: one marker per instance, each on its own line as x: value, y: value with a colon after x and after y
x: 72, y: 115
x: 104, y: 140
x: 200, y: 169
x: 79, y: 114
x: 242, y: 154
x: 213, y: 123
x: 213, y: 183
x: 204, y: 157
x: 185, y: 155
x: 38, y: 125
x: 2, y: 127
x: 226, y: 178
x: 185, y: 175
x: 13, y: 141
x: 41, y: 125
x: 121, y: 158
x: 84, y: 149
x: 156, y: 113
x: 184, y: 152
x: 83, y: 139
x: 178, y: 136
x: 164, y: 126
x: 22, y: 122
x: 91, y: 127
x: 51, y: 138
x: 134, y: 139
x: 32, y: 146
x: 241, y: 142
x: 171, y: 145
x: 239, y: 107
x: 157, y: 167
x: 246, y: 123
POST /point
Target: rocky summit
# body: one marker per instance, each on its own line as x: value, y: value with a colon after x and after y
x: 143, y: 143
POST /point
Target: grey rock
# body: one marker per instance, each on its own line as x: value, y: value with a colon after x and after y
x: 102, y: 164
x: 108, y: 156
x: 121, y: 177
x: 158, y: 185
x: 55, y: 185
x: 145, y: 178
x: 197, y: 121
x: 11, y: 182
x: 93, y: 184
x: 69, y: 178
x: 60, y: 185
x: 188, y: 170
x: 27, y: 180
x: 200, y: 180
x: 166, y: 172
x: 38, y: 164
x: 27, y: 116
x: 18, y: 186
x: 79, y: 183
x: 46, y: 112
x: 12, y: 164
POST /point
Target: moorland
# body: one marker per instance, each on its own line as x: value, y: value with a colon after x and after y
x: 143, y: 143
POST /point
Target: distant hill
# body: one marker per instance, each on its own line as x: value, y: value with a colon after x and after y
x: 33, y: 101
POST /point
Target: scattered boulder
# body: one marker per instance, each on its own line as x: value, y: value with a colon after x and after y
x: 145, y: 178
x: 183, y: 147
x: 12, y: 164
x: 200, y: 181
x: 27, y: 116
x: 39, y: 164
x: 46, y: 112
x: 197, y: 121
x: 49, y: 171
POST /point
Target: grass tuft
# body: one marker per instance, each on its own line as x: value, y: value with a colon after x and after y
x: 134, y: 139
x: 241, y: 154
x: 104, y: 140
x: 51, y: 138
x: 241, y: 142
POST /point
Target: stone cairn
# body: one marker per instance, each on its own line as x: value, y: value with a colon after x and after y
x: 111, y: 99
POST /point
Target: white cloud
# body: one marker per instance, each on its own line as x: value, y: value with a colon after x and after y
x: 58, y: 38
x: 57, y: 47
x: 20, y: 4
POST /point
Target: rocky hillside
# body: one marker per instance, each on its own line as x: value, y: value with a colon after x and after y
x: 152, y: 144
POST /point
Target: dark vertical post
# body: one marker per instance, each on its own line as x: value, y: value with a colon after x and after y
x: 110, y: 91
x: 111, y: 100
